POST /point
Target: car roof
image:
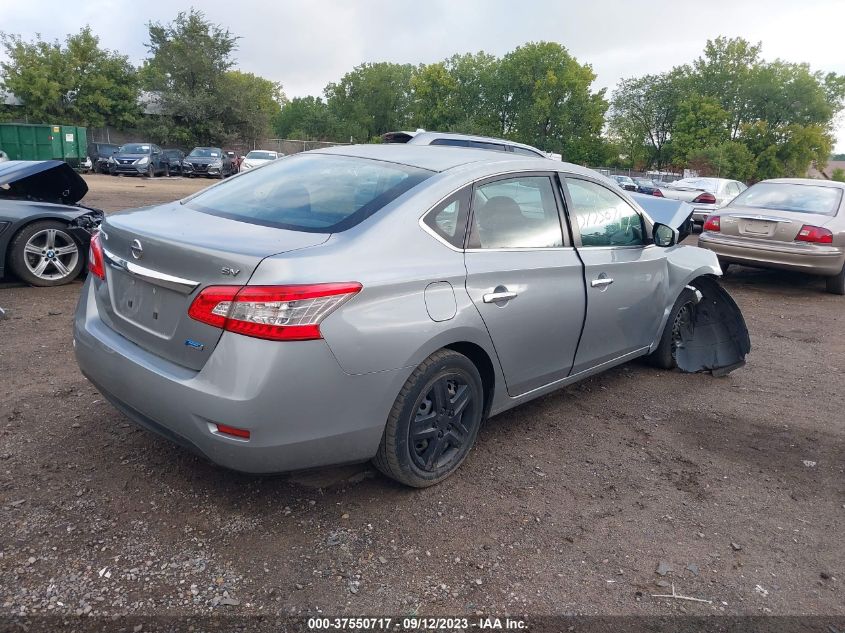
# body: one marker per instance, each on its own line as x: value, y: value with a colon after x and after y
x: 420, y: 138
x: 442, y: 158
x: 834, y: 184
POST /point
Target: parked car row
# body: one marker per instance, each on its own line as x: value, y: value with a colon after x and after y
x: 148, y: 159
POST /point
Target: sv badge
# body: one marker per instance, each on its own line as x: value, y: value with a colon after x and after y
x: 231, y: 272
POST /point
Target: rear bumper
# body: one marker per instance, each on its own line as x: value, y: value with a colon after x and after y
x: 809, y: 258
x: 301, y: 408
x: 700, y: 213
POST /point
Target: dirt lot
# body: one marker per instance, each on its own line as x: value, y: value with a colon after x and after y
x: 732, y: 487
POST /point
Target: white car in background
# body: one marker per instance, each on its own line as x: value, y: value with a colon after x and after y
x: 3, y: 156
x: 706, y: 195
x: 258, y: 157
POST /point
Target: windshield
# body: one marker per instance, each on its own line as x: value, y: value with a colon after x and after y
x: 262, y: 155
x: 314, y: 193
x: 790, y: 197
x: 646, y: 183
x: 135, y: 148
x: 205, y: 152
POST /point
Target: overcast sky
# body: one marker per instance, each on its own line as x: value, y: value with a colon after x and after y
x: 306, y: 44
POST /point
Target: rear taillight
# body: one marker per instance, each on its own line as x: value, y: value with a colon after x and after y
x: 657, y: 193
x: 705, y: 198
x: 712, y: 223
x: 814, y: 234
x: 96, y: 263
x: 278, y: 313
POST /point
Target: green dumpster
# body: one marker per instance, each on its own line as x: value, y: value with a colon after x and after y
x: 25, y: 141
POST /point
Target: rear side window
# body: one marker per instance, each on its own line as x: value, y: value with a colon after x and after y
x: 449, y: 218
x: 452, y: 142
x: 516, y: 213
x: 310, y: 192
x: 603, y: 218
x: 484, y: 145
x: 525, y: 152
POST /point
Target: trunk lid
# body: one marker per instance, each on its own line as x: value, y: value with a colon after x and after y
x: 158, y: 259
x: 774, y: 225
x: 684, y: 194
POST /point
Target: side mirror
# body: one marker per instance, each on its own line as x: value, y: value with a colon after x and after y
x: 664, y: 235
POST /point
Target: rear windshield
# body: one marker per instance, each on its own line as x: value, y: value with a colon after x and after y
x: 310, y: 192
x: 790, y: 197
x: 262, y: 155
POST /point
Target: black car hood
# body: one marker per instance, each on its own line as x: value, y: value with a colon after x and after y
x: 202, y: 160
x: 49, y: 180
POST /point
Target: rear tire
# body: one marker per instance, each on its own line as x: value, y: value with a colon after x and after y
x: 46, y: 254
x: 434, y: 421
x: 835, y: 285
x: 724, y: 266
x: 663, y: 356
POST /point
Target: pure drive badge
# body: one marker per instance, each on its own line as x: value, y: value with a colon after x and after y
x: 194, y: 344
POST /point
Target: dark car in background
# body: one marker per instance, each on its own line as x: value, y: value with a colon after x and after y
x: 648, y: 187
x: 173, y: 158
x: 625, y: 182
x: 99, y: 153
x: 138, y: 159
x: 211, y: 162
x: 236, y: 160
x: 44, y: 231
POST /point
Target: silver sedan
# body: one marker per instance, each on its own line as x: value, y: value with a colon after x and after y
x: 379, y: 302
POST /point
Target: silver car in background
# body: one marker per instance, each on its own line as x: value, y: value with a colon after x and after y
x: 706, y: 195
x: 380, y: 301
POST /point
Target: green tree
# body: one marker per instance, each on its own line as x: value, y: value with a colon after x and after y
x: 77, y: 82
x: 253, y: 104
x: 700, y: 123
x: 306, y: 118
x: 545, y: 100
x: 644, y: 110
x: 730, y: 159
x: 187, y: 67
x: 434, y: 103
x: 838, y: 175
x: 371, y: 99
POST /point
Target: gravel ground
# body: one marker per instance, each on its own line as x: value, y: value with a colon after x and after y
x: 586, y: 501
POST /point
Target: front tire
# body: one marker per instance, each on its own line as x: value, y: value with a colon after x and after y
x: 45, y: 254
x: 835, y: 285
x: 680, y: 317
x: 434, y: 421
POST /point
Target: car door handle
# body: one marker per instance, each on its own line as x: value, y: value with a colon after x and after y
x: 493, y: 297
x: 601, y: 282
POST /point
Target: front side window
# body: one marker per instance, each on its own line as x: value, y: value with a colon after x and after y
x: 316, y: 193
x: 449, y: 218
x: 516, y: 213
x: 601, y: 217
x: 522, y: 151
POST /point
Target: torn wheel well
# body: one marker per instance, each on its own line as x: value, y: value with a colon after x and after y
x: 714, y: 338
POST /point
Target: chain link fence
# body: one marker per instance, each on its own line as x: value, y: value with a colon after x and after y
x: 292, y: 145
x: 656, y: 176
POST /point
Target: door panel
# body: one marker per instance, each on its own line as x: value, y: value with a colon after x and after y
x: 526, y: 283
x: 536, y: 332
x: 625, y: 314
x: 624, y: 276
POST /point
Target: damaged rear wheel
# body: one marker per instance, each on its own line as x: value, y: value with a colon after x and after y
x: 680, y: 317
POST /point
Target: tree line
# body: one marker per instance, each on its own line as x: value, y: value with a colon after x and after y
x: 729, y: 112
